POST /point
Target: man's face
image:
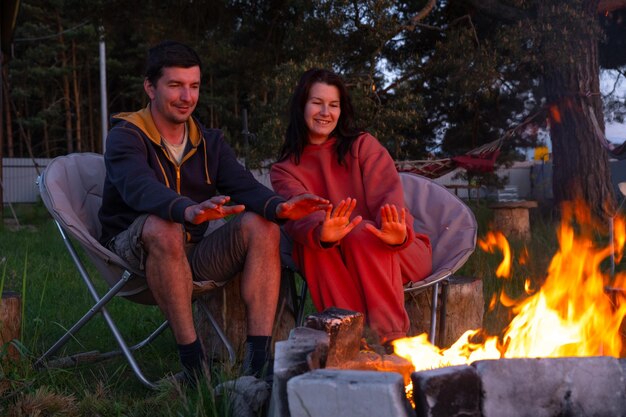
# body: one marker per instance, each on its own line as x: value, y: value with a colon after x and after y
x: 175, y: 95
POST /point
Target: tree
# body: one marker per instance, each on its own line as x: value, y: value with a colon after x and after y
x: 464, y: 73
x: 563, y: 39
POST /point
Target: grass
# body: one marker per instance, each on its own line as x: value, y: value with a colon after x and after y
x: 34, y: 262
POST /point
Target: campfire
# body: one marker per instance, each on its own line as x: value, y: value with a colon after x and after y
x: 577, y: 311
x: 558, y: 355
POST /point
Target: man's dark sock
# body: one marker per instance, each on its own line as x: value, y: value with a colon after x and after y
x: 257, y: 356
x: 192, y: 359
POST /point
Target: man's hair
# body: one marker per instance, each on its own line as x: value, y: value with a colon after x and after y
x: 169, y: 54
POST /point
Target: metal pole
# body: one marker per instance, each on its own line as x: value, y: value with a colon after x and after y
x: 1, y: 133
x: 104, y: 116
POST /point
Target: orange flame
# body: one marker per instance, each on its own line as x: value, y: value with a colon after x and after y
x: 555, y: 113
x: 570, y: 315
x: 497, y: 240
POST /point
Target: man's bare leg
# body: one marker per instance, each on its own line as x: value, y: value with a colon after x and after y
x: 260, y: 286
x: 170, y: 280
x: 260, y: 280
x: 169, y: 275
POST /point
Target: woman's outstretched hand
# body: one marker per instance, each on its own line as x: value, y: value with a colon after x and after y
x: 393, y: 228
x: 301, y: 206
x: 337, y: 223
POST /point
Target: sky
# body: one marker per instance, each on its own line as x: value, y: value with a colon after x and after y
x: 615, y: 132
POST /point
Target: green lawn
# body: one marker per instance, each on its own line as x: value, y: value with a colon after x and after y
x: 35, y: 263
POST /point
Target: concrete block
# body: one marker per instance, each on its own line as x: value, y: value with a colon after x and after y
x: 548, y: 387
x: 453, y: 391
x: 247, y: 395
x: 345, y: 329
x: 372, y: 361
x: 303, y: 351
x: 330, y: 393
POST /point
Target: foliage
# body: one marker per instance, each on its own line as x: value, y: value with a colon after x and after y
x: 458, y: 79
x: 55, y: 296
x: 253, y: 53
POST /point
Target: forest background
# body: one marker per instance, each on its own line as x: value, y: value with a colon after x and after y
x: 428, y: 78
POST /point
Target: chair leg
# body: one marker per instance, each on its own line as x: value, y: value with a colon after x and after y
x: 126, y: 351
x: 290, y: 277
x: 442, y: 315
x: 302, y: 302
x: 433, y: 314
x: 98, y: 307
x: 156, y: 333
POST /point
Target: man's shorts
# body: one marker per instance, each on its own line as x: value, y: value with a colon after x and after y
x: 214, y: 261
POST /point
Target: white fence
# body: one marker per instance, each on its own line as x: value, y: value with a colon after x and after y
x: 18, y: 179
x: 531, y: 180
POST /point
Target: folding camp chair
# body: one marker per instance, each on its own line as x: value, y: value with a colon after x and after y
x: 71, y: 189
x: 451, y: 227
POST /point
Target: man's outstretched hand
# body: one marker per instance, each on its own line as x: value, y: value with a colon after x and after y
x: 301, y: 206
x: 211, y: 209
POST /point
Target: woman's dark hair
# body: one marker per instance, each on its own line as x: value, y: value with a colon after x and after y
x: 296, y: 136
x: 168, y: 54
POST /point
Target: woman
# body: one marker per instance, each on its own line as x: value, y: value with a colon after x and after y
x: 352, y: 262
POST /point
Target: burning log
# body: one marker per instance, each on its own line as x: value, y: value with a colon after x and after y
x: 345, y: 329
x: 372, y: 361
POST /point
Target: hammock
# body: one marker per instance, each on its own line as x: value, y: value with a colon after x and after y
x: 478, y: 160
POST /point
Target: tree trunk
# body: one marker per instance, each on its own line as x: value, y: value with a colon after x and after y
x: 2, y: 75
x: 76, y: 87
x: 581, y: 167
x: 8, y: 122
x: 212, y: 123
x: 90, y: 113
x: 46, y: 140
x: 66, y: 90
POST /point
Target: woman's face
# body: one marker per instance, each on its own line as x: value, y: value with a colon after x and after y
x: 321, y: 112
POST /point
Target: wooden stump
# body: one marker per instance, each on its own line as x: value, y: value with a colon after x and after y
x: 227, y: 307
x: 464, y: 310
x: 512, y: 218
x: 10, y: 321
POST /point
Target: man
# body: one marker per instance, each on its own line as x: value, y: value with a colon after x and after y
x: 164, y: 172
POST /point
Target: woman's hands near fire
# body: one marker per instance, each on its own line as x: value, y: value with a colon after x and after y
x: 393, y: 225
x: 337, y: 223
x: 211, y: 209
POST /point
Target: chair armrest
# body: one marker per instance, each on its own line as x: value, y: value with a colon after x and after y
x: 434, y: 278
